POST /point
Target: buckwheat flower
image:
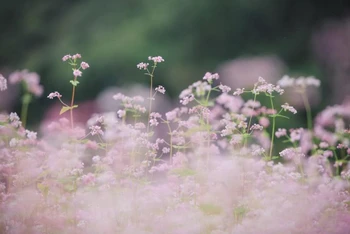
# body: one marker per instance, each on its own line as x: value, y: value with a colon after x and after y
x: 281, y: 132
x: 66, y: 57
x: 295, y: 134
x: 140, y: 125
x: 95, y: 129
x: 171, y: 115
x: 210, y: 77
x: 286, y: 81
x: 324, y: 145
x: 287, y: 107
x: 76, y: 56
x: 84, y: 65
x: 54, y: 94
x: 338, y: 164
x: 238, y: 92
x: 13, y: 117
x: 224, y: 88
x: 256, y: 127
x: 142, y: 66
x: 31, y: 135
x: 265, y: 122
x: 160, y: 89
x: 13, y: 142
x: 3, y: 83
x: 121, y: 113
x: 328, y: 154
x: 77, y: 72
x: 165, y: 150
x: 96, y: 159
x: 187, y: 99
x: 156, y: 59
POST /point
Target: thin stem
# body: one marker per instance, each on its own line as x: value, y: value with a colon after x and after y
x: 273, y: 128
x: 71, y: 105
x: 24, y: 111
x: 308, y: 110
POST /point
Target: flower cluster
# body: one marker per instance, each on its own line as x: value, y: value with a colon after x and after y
x: 209, y: 167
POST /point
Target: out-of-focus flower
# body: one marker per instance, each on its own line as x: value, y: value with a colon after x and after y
x: 31, y: 80
x: 3, y: 83
x: 281, y: 132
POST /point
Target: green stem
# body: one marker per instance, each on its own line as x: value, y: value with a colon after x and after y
x: 24, y: 110
x: 71, y: 105
x: 308, y: 110
x: 273, y: 128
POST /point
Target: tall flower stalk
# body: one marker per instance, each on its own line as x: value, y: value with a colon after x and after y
x: 72, y: 60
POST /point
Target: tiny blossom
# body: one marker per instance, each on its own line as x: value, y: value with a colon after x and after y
x: 210, y: 77
x: 95, y: 129
x: 3, y: 83
x: 171, y: 115
x: 187, y: 99
x: 66, y: 57
x: 96, y: 159
x: 341, y: 146
x: 287, y: 107
x: 142, y: 66
x: 281, y: 132
x: 77, y: 72
x: 324, y: 145
x: 156, y: 59
x: 265, y: 122
x: 13, y: 117
x: 160, y: 89
x: 165, y: 150
x: 13, y: 142
x: 303, y: 82
x: 238, y: 92
x: 328, y: 153
x: 256, y: 127
x: 76, y: 56
x: 31, y: 135
x: 224, y: 88
x: 140, y: 125
x: 84, y: 65
x: 54, y: 94
x: 121, y: 113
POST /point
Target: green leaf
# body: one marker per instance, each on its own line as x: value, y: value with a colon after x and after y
x: 67, y: 108
x: 74, y: 82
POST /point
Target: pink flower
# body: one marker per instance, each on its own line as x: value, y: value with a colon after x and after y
x: 76, y: 56
x: 281, y: 132
x: 77, y: 72
x: 54, y: 94
x: 224, y: 88
x: 210, y: 77
x: 238, y: 92
x: 157, y: 59
x: 287, y: 107
x: 66, y: 57
x: 142, y: 66
x: 95, y: 129
x: 3, y: 83
x: 265, y: 122
x: 84, y: 65
x: 160, y: 89
x: 256, y: 127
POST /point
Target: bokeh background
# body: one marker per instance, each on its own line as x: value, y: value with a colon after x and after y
x: 240, y: 39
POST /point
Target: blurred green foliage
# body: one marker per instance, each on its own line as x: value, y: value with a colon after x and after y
x: 193, y: 37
